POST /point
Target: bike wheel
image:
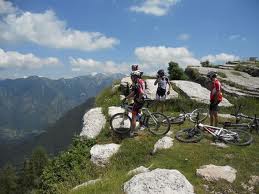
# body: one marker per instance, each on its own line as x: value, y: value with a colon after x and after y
x: 199, y: 115
x: 189, y: 135
x: 120, y: 123
x: 236, y: 137
x: 158, y: 123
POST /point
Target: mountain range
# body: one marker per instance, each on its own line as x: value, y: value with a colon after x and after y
x: 28, y: 105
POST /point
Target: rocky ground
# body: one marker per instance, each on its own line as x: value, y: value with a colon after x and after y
x: 234, y: 82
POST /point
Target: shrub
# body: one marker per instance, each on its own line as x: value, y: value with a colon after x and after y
x: 175, y: 72
x: 68, y: 167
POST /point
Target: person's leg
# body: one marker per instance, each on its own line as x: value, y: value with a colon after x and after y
x: 133, y: 121
x: 157, y: 100
x: 216, y: 118
x: 211, y: 115
x: 216, y: 109
x: 211, y: 118
x: 163, y: 102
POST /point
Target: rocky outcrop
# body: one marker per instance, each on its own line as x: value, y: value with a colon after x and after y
x: 196, y: 92
x: 94, y: 121
x: 163, y: 143
x: 159, y: 181
x: 112, y: 110
x: 125, y: 85
x: 234, y: 82
x: 100, y: 154
x: 214, y: 173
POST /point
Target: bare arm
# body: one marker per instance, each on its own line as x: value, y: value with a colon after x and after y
x: 156, y: 82
x: 130, y: 95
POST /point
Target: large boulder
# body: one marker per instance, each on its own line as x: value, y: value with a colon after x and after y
x: 100, y: 154
x: 196, y: 92
x: 214, y: 173
x: 112, y: 110
x: 159, y: 181
x: 163, y: 143
x: 94, y: 121
x: 125, y: 85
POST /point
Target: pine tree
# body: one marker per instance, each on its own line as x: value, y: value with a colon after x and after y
x: 8, y: 180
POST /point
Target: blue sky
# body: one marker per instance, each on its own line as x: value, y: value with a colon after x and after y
x: 65, y: 38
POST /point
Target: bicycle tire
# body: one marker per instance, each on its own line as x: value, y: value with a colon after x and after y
x: 116, y: 122
x: 189, y: 135
x: 240, y: 135
x: 197, y: 113
x: 160, y: 126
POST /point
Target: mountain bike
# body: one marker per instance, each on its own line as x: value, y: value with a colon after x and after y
x: 157, y: 123
x: 181, y: 118
x: 194, y: 134
x: 253, y: 123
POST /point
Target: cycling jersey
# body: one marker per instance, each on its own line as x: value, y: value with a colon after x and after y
x: 138, y: 88
x: 162, y: 82
x: 216, y: 87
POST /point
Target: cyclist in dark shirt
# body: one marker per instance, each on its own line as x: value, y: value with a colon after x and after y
x: 138, y: 93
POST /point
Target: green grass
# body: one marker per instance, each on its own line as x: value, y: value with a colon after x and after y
x: 186, y: 158
x: 221, y: 74
x: 236, y: 73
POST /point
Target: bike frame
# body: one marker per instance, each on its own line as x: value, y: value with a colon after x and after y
x: 253, y: 124
x: 216, y: 131
x: 145, y: 113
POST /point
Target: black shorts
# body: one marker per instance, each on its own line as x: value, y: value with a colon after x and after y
x: 160, y: 92
x: 214, y: 107
x: 136, y: 107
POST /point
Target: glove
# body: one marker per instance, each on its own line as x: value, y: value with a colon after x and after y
x: 168, y: 92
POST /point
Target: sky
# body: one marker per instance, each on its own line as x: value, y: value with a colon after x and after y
x: 55, y: 39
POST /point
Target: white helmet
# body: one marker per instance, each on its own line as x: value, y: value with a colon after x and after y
x: 136, y: 73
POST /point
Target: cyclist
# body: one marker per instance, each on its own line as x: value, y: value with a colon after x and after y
x: 138, y: 93
x: 215, y: 97
x: 162, y: 81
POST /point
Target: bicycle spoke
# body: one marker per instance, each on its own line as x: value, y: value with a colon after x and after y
x: 158, y: 124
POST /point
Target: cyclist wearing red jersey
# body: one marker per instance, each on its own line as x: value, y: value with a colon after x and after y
x: 215, y: 97
x: 138, y: 93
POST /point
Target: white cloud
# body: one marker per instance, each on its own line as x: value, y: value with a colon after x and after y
x: 236, y: 37
x: 46, y: 29
x: 154, y: 7
x: 184, y: 37
x: 220, y: 58
x: 12, y: 59
x: 6, y: 7
x: 153, y: 58
x: 91, y: 65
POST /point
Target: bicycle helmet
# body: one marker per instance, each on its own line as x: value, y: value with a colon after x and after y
x: 136, y: 73
x: 134, y: 67
x: 212, y: 74
x: 161, y: 72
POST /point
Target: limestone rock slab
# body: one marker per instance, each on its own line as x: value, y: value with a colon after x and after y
x: 159, y: 181
x: 214, y: 173
x: 93, y: 122
x: 100, y: 154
